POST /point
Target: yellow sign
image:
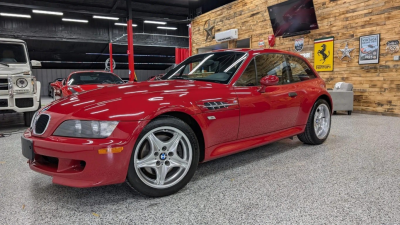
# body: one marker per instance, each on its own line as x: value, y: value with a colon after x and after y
x: 323, y: 54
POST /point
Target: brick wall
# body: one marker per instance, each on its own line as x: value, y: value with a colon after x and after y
x: 377, y: 86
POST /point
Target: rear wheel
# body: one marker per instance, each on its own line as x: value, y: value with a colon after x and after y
x: 318, y: 124
x: 164, y: 158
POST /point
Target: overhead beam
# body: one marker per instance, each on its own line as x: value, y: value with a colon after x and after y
x: 161, y: 4
x: 138, y: 14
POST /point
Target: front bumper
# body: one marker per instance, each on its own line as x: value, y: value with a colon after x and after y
x: 11, y: 104
x: 76, y: 162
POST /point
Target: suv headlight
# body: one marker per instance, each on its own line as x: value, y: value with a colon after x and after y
x: 86, y: 129
x: 22, y: 83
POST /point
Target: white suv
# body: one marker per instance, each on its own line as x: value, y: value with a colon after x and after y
x: 19, y: 90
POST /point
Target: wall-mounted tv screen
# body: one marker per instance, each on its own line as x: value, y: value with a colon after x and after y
x: 293, y: 16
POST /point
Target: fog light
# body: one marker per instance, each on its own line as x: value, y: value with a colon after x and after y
x: 110, y: 150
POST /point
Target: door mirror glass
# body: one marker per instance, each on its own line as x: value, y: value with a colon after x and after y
x: 269, y: 80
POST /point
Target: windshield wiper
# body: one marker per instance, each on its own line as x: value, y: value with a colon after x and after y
x: 5, y: 64
x: 180, y: 78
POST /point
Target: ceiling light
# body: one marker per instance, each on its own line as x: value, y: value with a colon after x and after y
x: 168, y: 28
x: 47, y: 12
x: 75, y: 20
x: 155, y: 22
x: 105, y: 18
x: 15, y: 15
x: 124, y: 24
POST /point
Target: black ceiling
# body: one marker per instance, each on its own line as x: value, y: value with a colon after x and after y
x: 85, y: 46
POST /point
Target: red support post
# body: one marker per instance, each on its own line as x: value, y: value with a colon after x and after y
x: 111, y: 58
x: 190, y: 39
x: 130, y: 52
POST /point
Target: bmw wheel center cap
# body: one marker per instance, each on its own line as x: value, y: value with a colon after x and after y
x: 163, y: 156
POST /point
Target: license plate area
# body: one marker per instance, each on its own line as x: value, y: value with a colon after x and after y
x: 27, y: 148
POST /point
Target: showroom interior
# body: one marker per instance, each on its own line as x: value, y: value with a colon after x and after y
x: 199, y: 112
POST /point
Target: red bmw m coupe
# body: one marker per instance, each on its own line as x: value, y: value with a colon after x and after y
x: 153, y: 134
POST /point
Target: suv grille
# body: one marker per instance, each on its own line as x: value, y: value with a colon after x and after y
x: 41, y: 124
x: 3, y: 84
x: 24, y: 102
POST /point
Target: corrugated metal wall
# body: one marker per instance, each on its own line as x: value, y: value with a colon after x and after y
x: 45, y: 76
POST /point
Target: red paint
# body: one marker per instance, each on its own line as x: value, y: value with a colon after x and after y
x: 271, y: 40
x: 111, y: 58
x: 252, y: 119
x: 64, y: 90
x: 130, y: 52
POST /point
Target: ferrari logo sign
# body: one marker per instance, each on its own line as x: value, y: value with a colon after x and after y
x: 323, y: 54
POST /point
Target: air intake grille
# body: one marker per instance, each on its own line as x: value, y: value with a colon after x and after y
x: 3, y: 84
x: 3, y: 102
x: 41, y: 124
x: 216, y: 105
x: 24, y: 102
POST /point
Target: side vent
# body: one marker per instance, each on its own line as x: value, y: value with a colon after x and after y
x: 216, y: 105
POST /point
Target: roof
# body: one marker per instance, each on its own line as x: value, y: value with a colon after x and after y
x: 11, y: 40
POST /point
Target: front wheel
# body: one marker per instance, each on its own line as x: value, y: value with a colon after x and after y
x: 318, y: 124
x: 28, y: 116
x: 164, y: 158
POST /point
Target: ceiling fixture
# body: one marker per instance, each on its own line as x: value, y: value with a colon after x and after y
x: 124, y: 24
x: 105, y: 18
x: 47, y: 12
x: 167, y: 28
x: 75, y: 20
x: 15, y: 15
x: 155, y: 22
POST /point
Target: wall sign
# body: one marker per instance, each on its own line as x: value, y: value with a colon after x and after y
x: 209, y: 29
x: 261, y: 44
x: 323, y: 54
x: 107, y: 63
x: 346, y: 53
x: 299, y: 44
x: 392, y: 46
x: 369, y: 49
x: 306, y: 55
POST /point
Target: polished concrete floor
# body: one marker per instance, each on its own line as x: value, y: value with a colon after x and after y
x: 353, y: 178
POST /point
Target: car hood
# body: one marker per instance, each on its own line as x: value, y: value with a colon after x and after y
x: 88, y: 87
x: 121, y: 101
x: 4, y: 70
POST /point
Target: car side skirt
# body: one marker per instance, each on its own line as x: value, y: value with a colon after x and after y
x: 233, y: 147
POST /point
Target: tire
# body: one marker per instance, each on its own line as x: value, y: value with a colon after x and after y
x: 318, y: 125
x: 29, y: 115
x: 170, y: 164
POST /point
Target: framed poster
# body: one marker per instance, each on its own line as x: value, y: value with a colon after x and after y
x: 323, y: 54
x: 369, y: 49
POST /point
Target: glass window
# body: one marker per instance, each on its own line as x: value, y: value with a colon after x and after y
x: 94, y: 78
x: 299, y: 69
x: 272, y: 64
x: 216, y: 67
x: 12, y: 53
x: 248, y: 77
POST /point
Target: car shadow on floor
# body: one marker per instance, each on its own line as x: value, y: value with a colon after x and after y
x: 113, y: 194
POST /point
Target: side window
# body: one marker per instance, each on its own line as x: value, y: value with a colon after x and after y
x: 248, y: 77
x: 272, y: 64
x: 300, y: 70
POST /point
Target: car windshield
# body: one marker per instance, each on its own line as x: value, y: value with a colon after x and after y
x: 12, y: 53
x: 216, y: 67
x: 94, y: 78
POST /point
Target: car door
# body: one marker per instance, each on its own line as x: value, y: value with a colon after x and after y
x: 275, y: 109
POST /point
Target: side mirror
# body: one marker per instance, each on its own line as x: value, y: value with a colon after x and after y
x: 269, y: 80
x: 36, y: 63
x: 56, y: 84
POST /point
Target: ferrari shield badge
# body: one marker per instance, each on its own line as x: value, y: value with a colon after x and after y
x: 299, y: 44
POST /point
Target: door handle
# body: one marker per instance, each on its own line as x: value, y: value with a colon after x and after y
x: 292, y: 94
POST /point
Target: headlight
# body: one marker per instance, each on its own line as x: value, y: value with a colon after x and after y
x: 86, y: 129
x: 22, y: 83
